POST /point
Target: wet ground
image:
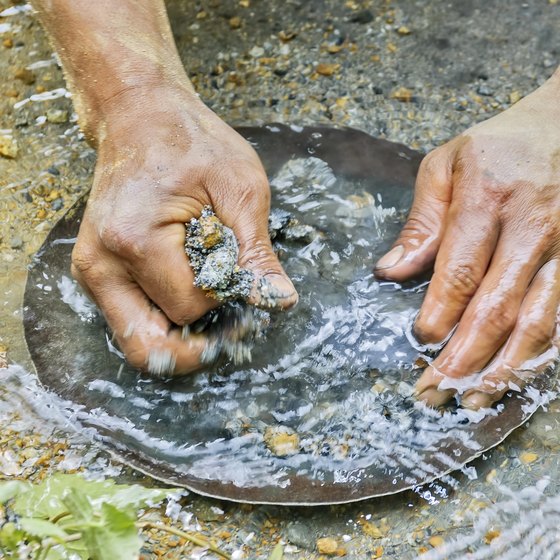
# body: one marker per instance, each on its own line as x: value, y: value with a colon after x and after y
x: 414, y: 72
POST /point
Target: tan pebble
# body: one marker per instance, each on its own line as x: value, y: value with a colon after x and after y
x: 8, y: 43
x: 333, y: 49
x: 324, y: 69
x: 40, y: 89
x: 514, y: 97
x: 372, y: 530
x: 53, y: 195
x: 25, y: 75
x: 404, y: 30
x: 12, y: 92
x: 402, y: 94
x: 391, y: 47
x: 8, y: 147
x: 375, y: 58
x: 244, y: 3
x: 41, y: 213
x: 281, y: 441
x: 235, y: 22
x: 527, y: 457
x: 327, y: 545
x: 491, y: 535
x: 287, y: 36
x: 378, y: 553
x: 435, y: 541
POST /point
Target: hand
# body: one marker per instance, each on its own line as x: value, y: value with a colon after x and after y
x: 487, y: 211
x: 162, y: 156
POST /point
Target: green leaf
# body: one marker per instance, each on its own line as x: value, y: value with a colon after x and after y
x: 41, y: 528
x: 11, y: 488
x: 117, y: 537
x: 277, y: 553
x: 10, y: 537
x: 46, y: 499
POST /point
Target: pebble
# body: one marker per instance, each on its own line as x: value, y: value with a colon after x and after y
x: 57, y: 116
x: 435, y: 541
x: 403, y: 94
x: 327, y: 545
x: 281, y: 440
x: 300, y: 535
x: 256, y: 52
x: 527, y: 457
x: 16, y: 242
x: 8, y: 147
x: 25, y: 75
x: 484, y: 90
x: 363, y: 16
x: 235, y: 22
x: 325, y: 69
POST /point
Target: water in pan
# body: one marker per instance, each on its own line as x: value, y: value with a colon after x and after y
x: 326, y: 396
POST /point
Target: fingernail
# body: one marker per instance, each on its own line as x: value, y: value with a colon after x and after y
x: 274, y: 290
x: 477, y: 400
x: 434, y: 397
x: 391, y: 258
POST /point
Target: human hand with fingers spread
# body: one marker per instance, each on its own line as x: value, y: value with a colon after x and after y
x: 487, y: 213
x: 162, y: 156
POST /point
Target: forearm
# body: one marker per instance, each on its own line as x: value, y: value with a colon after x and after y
x: 111, y: 50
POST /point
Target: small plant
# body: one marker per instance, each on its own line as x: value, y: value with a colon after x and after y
x: 69, y: 517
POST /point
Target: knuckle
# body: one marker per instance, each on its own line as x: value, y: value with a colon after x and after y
x: 84, y: 261
x: 124, y: 240
x: 461, y: 280
x: 500, y: 316
x: 537, y: 335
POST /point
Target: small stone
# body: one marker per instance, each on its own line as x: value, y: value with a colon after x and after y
x: 281, y: 440
x: 527, y: 457
x: 8, y: 43
x: 16, y: 242
x: 57, y: 204
x: 8, y: 147
x: 256, y: 52
x: 372, y: 530
x: 57, y: 116
x: 25, y: 75
x: 514, y: 97
x: 334, y: 48
x: 403, y: 94
x: 300, y: 535
x: 286, y: 36
x: 363, y: 16
x: 235, y: 22
x: 484, y: 90
x: 435, y: 541
x: 211, y: 231
x: 491, y: 535
x: 325, y: 69
x: 327, y: 545
x: 404, y: 30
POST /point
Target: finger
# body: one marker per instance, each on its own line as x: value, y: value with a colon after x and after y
x: 490, y: 316
x: 166, y: 276
x: 415, y: 249
x: 530, y: 349
x: 142, y: 332
x: 466, y: 250
x: 272, y: 288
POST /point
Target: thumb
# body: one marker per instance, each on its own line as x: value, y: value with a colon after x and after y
x: 417, y: 245
x: 272, y: 287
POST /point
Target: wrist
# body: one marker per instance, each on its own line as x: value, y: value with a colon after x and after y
x: 130, y: 101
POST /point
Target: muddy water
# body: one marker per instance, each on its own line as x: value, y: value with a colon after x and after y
x: 52, y: 157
